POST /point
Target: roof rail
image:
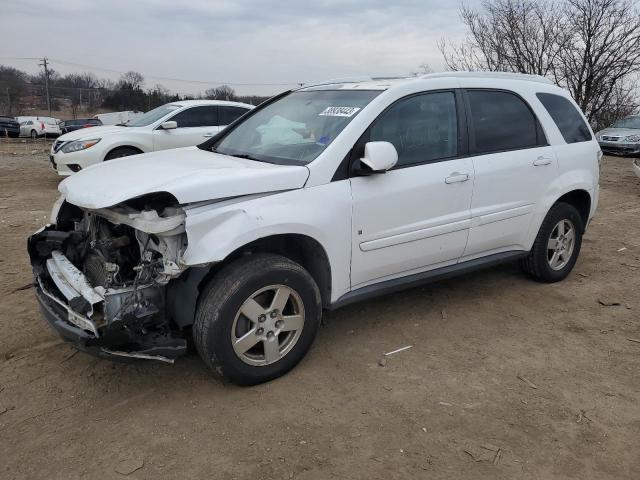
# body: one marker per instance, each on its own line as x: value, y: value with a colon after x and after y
x: 494, y: 75
x: 361, y: 79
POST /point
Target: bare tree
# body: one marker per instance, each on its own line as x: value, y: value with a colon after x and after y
x: 132, y: 80
x: 423, y: 69
x: 591, y: 47
x: 223, y: 92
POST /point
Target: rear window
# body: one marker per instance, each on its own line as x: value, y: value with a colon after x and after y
x: 567, y: 118
x: 502, y: 121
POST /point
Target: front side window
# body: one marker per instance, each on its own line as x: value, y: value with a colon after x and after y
x: 423, y: 128
x: 501, y: 121
x: 566, y: 117
x: 206, y: 116
x: 152, y: 116
x: 295, y: 129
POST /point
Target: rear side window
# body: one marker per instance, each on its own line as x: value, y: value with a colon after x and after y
x: 228, y: 114
x: 566, y: 116
x: 423, y: 128
x: 502, y: 121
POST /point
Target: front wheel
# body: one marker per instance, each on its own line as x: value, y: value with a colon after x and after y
x: 34, y: 134
x: 257, y: 318
x: 557, y: 246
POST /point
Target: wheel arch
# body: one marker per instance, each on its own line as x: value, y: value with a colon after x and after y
x: 119, y: 147
x: 581, y: 200
x: 184, y: 292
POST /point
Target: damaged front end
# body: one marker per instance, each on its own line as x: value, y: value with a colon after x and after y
x: 101, y: 277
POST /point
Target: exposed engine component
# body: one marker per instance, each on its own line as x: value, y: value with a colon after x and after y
x: 106, y: 271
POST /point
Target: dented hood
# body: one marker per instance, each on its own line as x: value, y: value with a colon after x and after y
x: 189, y: 174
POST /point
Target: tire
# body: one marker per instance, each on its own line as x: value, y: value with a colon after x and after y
x: 34, y: 134
x: 121, y: 152
x: 543, y: 262
x: 219, y: 322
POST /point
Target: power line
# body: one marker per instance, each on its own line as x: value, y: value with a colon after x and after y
x: 171, y: 79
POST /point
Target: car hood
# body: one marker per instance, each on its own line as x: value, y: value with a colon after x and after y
x: 94, y: 132
x: 618, y: 132
x: 189, y: 174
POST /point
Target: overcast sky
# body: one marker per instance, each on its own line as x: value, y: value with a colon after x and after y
x: 242, y: 41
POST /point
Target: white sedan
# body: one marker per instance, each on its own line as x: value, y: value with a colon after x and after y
x: 178, y: 124
x: 35, y: 127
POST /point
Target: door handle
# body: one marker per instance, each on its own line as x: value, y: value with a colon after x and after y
x: 208, y: 135
x: 456, y: 177
x: 540, y: 161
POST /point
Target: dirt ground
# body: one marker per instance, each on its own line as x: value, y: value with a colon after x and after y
x: 507, y: 378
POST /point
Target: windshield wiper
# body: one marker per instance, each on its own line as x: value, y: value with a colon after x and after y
x: 244, y: 156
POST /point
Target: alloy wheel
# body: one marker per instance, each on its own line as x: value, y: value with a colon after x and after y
x: 267, y: 325
x: 561, y: 244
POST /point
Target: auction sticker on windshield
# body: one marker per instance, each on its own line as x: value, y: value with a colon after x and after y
x: 339, y: 112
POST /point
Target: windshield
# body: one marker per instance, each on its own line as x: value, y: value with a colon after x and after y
x: 295, y: 129
x: 629, y: 122
x: 152, y: 116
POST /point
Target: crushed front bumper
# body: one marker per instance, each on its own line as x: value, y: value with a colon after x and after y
x: 120, y: 324
x: 115, y: 344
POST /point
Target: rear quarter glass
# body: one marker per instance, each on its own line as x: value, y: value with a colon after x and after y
x: 566, y: 117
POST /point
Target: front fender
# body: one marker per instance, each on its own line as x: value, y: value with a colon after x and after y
x: 322, y: 213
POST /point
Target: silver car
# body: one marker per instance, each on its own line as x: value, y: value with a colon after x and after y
x: 621, y: 138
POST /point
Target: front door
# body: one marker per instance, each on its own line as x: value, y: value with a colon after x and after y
x: 416, y: 216
x: 195, y: 125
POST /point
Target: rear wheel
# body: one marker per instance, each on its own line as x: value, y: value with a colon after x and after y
x: 34, y: 134
x: 257, y: 318
x: 121, y: 152
x: 557, y: 245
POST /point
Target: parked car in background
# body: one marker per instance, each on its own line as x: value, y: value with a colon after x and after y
x: 35, y: 127
x: 67, y: 126
x: 116, y: 118
x: 178, y: 124
x: 621, y: 138
x: 9, y: 127
x: 318, y: 198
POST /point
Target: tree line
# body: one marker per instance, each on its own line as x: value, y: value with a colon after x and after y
x: 21, y: 92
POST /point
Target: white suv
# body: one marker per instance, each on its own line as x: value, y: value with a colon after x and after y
x: 320, y: 197
x: 178, y: 124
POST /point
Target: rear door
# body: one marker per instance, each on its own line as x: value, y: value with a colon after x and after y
x: 514, y: 166
x: 416, y: 216
x: 195, y: 125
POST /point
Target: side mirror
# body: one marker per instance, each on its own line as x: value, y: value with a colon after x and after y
x: 379, y: 156
x: 170, y: 125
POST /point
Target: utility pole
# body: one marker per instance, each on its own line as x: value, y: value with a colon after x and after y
x: 45, y: 64
x: 8, y: 101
